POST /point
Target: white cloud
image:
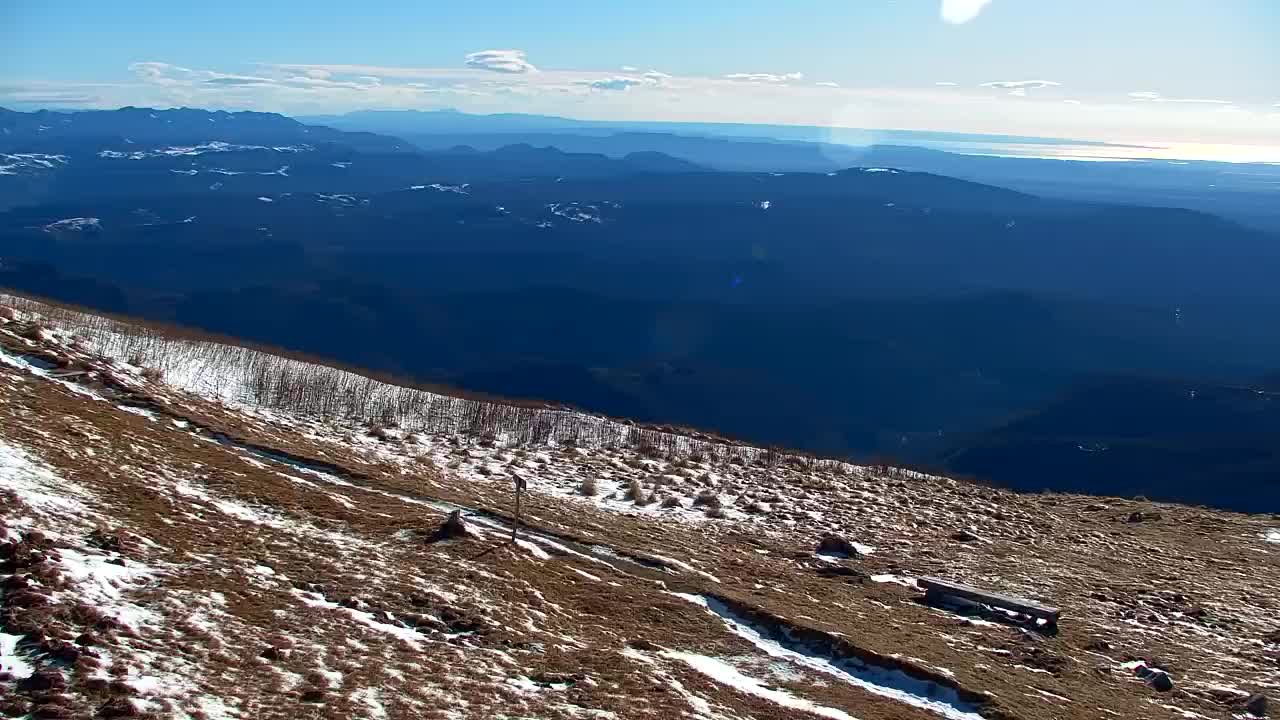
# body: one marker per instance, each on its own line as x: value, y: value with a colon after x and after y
x: 765, y: 77
x: 945, y: 84
x: 1019, y: 88
x: 959, y: 12
x: 1071, y: 102
x: 503, y: 61
x: 1157, y: 97
x: 1021, y: 84
x: 827, y: 84
x: 629, y: 68
x: 613, y: 83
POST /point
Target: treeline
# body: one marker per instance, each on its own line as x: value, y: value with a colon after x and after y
x: 266, y: 378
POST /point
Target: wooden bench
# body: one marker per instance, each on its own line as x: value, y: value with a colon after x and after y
x: 937, y: 587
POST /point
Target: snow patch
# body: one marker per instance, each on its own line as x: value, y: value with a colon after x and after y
x: 726, y: 674
x: 75, y: 224
x: 885, y: 682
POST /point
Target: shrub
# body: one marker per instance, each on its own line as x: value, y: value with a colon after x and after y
x: 716, y: 512
x: 635, y: 491
x: 707, y: 498
x: 671, y: 501
x: 588, y: 487
x: 154, y: 374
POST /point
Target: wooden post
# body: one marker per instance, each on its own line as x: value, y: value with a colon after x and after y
x: 515, y: 526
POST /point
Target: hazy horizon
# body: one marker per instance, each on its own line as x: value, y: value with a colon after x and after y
x: 1194, y: 78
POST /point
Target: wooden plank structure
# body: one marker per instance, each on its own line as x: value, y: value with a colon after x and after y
x: 68, y: 374
x: 936, y: 587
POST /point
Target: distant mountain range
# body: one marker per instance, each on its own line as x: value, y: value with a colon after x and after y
x: 448, y: 122
x: 137, y: 151
x: 867, y: 310
x: 1245, y: 192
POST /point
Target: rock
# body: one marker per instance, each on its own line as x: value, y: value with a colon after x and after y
x: 832, y: 571
x: 44, y: 679
x: 15, y: 582
x: 836, y: 545
x: 1160, y: 681
x: 118, y: 708
x: 453, y: 527
x: 14, y: 707
x: 1256, y: 705
x: 642, y: 644
x: 61, y: 650
x: 964, y: 536
x: 313, y: 695
x: 1138, y: 516
x: 273, y: 653
x: 52, y: 712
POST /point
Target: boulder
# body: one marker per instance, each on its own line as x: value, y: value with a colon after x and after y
x: 1256, y: 705
x: 964, y: 536
x: 836, y: 545
x: 313, y: 695
x: 453, y: 527
x: 1160, y: 681
x: 43, y: 679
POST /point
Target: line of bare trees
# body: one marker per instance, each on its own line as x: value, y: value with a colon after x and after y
x: 241, y: 374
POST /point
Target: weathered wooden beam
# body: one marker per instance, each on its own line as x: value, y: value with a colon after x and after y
x: 68, y: 374
x: 938, y: 586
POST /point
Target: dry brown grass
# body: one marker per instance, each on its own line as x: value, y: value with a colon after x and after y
x: 767, y: 570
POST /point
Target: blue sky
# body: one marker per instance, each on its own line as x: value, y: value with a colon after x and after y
x: 1189, y: 73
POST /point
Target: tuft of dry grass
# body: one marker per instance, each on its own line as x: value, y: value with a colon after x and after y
x: 709, y: 499
x: 154, y: 374
x: 635, y: 491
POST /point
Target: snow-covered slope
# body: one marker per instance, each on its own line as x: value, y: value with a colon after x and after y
x: 195, y: 530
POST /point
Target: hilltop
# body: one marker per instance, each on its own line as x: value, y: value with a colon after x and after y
x: 201, y: 530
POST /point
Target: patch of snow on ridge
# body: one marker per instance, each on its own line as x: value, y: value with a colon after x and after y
x: 201, y: 149
x: 12, y: 164
x: 1272, y: 535
x: 76, y: 224
x: 10, y: 661
x: 576, y: 212
x: 726, y: 674
x: 885, y: 682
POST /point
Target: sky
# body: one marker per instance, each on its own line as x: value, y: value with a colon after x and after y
x: 1193, y: 78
